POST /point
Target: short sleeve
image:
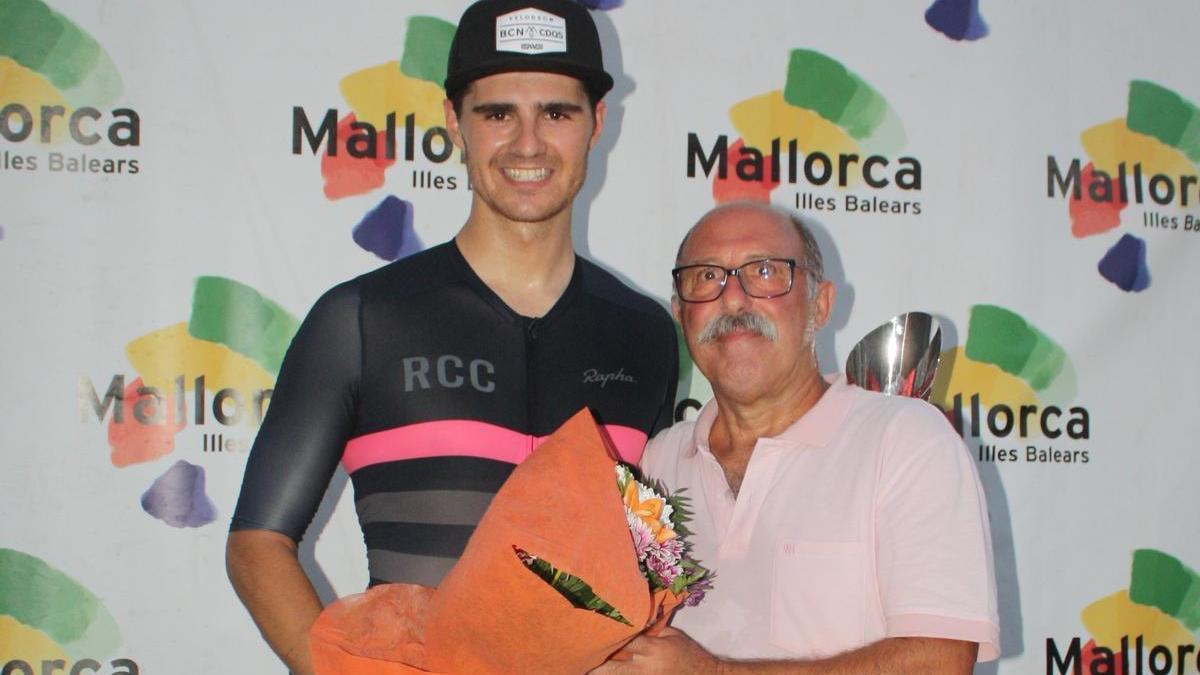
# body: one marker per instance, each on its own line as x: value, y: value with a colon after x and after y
x: 934, y: 554
x: 309, y: 420
x: 666, y: 413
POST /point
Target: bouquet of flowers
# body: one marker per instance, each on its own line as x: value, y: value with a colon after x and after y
x: 656, y: 523
x: 561, y: 572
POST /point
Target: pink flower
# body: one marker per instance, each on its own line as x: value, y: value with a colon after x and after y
x: 643, y: 538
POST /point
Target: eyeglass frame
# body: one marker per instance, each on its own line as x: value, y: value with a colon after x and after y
x: 736, y: 272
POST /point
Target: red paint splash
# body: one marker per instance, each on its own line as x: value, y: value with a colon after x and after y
x: 1089, y: 216
x: 132, y: 441
x: 346, y: 175
x: 734, y: 188
x: 1088, y: 655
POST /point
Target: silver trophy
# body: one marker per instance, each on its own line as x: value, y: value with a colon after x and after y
x: 899, y: 358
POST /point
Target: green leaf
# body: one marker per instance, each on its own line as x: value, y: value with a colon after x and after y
x: 575, y: 590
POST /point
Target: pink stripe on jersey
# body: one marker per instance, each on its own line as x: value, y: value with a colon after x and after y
x: 466, y: 438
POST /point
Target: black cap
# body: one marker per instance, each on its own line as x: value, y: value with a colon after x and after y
x: 550, y: 36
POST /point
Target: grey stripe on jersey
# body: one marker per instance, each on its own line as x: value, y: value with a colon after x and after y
x: 426, y: 507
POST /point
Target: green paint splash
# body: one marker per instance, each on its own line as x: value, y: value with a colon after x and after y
x: 1162, y: 581
x: 823, y: 85
x: 426, y: 48
x: 44, y: 598
x: 1002, y: 338
x: 240, y: 318
x: 1159, y: 112
x: 50, y: 44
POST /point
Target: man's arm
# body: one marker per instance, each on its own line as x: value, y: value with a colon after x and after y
x: 294, y: 455
x: 271, y: 584
x: 674, y: 652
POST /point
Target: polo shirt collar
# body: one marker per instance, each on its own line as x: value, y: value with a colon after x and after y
x: 816, y: 428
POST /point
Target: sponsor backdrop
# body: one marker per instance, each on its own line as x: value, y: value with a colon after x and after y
x: 180, y: 181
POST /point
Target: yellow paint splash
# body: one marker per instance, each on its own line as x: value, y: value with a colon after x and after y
x: 1113, y: 142
x: 958, y: 374
x: 1112, y: 617
x: 165, y: 354
x: 18, y: 641
x: 375, y: 92
x: 22, y: 85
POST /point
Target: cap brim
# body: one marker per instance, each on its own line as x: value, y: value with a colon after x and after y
x: 597, y: 82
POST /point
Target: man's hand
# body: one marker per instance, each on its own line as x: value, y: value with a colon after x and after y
x: 269, y: 580
x: 675, y: 652
x: 672, y: 651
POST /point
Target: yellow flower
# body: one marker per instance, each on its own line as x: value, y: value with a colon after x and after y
x: 649, y: 511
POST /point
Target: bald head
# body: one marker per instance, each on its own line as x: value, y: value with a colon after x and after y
x: 808, y: 253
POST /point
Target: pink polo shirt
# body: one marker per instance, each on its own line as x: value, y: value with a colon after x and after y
x: 863, y: 520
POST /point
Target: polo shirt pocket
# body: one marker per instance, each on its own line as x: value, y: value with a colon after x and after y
x: 818, y: 594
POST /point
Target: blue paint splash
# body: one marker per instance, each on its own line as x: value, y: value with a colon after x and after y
x: 1125, y: 264
x: 957, y: 19
x: 177, y: 497
x: 602, y: 4
x: 387, y: 230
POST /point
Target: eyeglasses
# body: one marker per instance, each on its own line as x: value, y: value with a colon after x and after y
x: 765, y: 278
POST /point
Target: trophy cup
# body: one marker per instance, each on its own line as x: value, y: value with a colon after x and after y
x: 898, y: 358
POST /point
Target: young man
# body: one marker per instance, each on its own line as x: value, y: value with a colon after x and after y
x: 430, y: 378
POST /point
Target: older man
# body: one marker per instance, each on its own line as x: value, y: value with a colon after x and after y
x: 847, y: 529
x: 429, y: 379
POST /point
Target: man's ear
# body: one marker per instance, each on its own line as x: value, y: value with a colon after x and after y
x: 601, y: 112
x: 823, y: 303
x: 676, y: 306
x: 452, y: 124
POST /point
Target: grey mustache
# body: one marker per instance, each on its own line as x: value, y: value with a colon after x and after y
x: 720, y: 326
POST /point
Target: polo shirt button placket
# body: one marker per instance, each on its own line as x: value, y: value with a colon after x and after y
x: 746, y: 508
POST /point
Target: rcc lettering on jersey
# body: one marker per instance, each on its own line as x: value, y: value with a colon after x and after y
x: 448, y: 371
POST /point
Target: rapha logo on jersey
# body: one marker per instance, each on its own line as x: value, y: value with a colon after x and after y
x: 531, y: 31
x: 594, y: 376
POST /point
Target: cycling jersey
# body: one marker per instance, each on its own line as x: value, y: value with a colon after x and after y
x: 429, y: 389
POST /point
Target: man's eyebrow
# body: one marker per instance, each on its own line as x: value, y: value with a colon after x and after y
x: 748, y: 258
x: 550, y: 106
x: 561, y: 107
x: 493, y: 108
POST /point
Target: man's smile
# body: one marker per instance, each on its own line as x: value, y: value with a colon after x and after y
x: 526, y: 175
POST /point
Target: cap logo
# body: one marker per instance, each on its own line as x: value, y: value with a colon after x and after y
x: 531, y: 31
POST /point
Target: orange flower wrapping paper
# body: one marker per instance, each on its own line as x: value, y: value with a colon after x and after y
x: 491, y: 614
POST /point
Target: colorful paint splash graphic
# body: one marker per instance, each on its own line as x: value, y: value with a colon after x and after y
x: 957, y: 19
x: 46, y: 59
x: 824, y: 106
x: 1006, y: 360
x: 602, y: 4
x: 46, y: 615
x: 234, y: 341
x: 1161, y: 605
x: 410, y: 86
x: 178, y: 499
x: 1161, y: 133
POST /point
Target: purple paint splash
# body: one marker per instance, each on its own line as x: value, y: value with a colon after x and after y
x: 1125, y: 264
x: 177, y: 497
x: 387, y: 230
x: 957, y: 19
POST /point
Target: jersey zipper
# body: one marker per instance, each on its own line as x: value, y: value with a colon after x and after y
x: 531, y: 395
